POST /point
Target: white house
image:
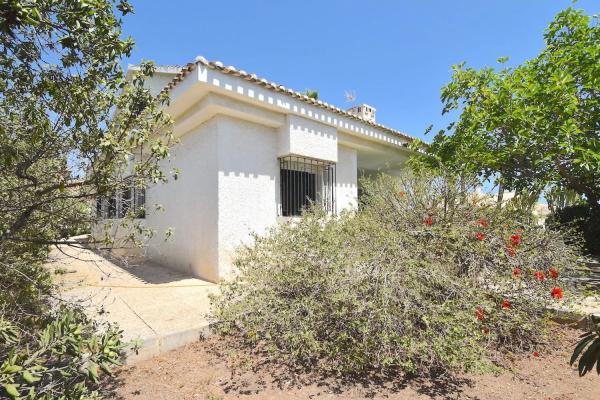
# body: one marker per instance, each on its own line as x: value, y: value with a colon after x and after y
x: 252, y: 153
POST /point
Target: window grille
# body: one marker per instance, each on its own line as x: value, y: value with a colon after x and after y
x: 305, y: 181
x: 118, y: 204
x: 112, y: 205
x: 140, y: 202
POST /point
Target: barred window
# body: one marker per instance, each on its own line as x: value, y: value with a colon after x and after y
x: 305, y: 181
x: 139, y: 202
x: 118, y: 204
x: 125, y: 203
x: 112, y: 205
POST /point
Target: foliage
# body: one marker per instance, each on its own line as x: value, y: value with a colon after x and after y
x: 313, y: 94
x: 583, y: 219
x: 559, y: 198
x: 423, y: 276
x: 48, y: 348
x: 588, y: 351
x: 534, y: 125
x: 72, y: 127
x: 62, y: 360
x: 70, y: 121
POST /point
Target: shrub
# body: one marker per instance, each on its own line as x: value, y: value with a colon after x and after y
x: 48, y: 349
x: 422, y: 277
x: 583, y: 219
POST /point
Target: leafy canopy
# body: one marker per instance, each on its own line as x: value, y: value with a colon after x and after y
x: 70, y: 121
x: 72, y: 127
x: 534, y: 125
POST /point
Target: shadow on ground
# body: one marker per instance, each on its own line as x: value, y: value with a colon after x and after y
x: 146, y: 271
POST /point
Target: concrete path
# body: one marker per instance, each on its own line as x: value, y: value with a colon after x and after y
x: 162, y: 308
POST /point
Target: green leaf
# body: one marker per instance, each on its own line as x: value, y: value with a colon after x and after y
x: 93, y: 372
x: 588, y: 359
x: 11, y: 390
x: 580, y: 346
x: 29, y: 378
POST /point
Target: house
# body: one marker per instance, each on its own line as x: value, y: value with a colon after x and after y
x: 252, y: 154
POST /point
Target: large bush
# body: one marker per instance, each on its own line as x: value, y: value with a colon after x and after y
x: 423, y: 277
x: 584, y: 219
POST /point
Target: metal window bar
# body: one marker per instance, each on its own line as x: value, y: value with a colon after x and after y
x: 112, y: 205
x: 304, y: 181
x: 140, y: 202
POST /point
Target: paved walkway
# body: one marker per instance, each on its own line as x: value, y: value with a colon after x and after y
x: 163, y: 308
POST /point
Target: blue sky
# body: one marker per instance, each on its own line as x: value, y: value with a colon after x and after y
x: 395, y: 55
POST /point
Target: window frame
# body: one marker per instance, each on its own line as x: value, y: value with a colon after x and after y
x: 298, y: 172
x: 119, y: 202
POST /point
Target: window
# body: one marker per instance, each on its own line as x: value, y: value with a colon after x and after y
x: 140, y: 202
x: 99, y: 207
x: 126, y: 199
x: 112, y: 205
x: 118, y: 204
x: 305, y: 181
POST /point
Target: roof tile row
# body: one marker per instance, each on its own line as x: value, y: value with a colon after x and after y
x: 231, y: 70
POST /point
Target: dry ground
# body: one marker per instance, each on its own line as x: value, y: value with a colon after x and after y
x: 203, y: 370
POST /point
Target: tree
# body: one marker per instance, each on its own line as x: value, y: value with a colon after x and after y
x: 533, y: 126
x: 72, y: 128
x: 69, y: 119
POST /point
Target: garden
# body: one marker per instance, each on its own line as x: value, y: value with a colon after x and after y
x: 429, y: 288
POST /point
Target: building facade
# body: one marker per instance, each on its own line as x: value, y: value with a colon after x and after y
x: 252, y: 154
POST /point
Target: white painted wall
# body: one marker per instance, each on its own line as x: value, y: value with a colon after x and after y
x: 190, y: 207
x: 248, y: 184
x: 304, y: 137
x: 346, y: 179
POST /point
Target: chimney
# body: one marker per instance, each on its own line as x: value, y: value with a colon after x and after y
x: 363, y: 111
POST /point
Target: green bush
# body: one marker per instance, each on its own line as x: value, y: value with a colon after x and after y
x: 48, y: 349
x: 423, y: 277
x: 583, y: 219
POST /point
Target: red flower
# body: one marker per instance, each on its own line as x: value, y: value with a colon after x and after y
x: 536, y: 354
x: 482, y: 223
x: 553, y: 272
x: 517, y: 271
x: 505, y: 304
x: 515, y: 240
x: 402, y: 194
x: 479, y: 314
x: 510, y: 251
x: 557, y: 293
x: 539, y: 275
x: 428, y: 221
x: 480, y: 236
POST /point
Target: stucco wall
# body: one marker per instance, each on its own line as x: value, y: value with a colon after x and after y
x: 158, y: 82
x: 346, y: 179
x: 190, y: 206
x: 248, y: 172
x: 303, y: 137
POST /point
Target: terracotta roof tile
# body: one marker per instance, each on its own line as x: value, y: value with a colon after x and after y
x: 231, y: 70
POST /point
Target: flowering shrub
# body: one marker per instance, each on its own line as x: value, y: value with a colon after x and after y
x: 422, y: 277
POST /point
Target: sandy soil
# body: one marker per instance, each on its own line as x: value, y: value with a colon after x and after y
x: 204, y: 370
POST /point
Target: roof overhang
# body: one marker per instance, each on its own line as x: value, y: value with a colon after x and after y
x: 198, y: 79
